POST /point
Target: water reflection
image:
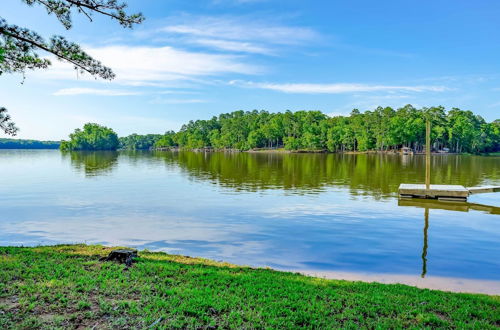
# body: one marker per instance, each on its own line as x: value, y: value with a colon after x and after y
x: 424, y: 249
x: 92, y: 163
x: 311, y: 213
x: 448, y: 205
x: 372, y: 175
x: 428, y: 204
x: 365, y: 174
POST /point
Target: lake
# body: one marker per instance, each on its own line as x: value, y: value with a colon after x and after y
x: 329, y: 215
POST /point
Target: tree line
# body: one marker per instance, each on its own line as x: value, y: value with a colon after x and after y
x: 28, y: 144
x: 382, y: 129
x: 139, y: 142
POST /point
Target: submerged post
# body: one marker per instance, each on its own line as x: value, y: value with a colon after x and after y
x: 427, y: 155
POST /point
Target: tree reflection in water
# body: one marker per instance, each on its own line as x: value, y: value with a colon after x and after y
x: 93, y: 163
x: 375, y: 175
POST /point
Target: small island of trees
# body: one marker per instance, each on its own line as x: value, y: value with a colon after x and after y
x: 91, y: 137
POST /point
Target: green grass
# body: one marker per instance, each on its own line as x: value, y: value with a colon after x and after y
x: 68, y: 287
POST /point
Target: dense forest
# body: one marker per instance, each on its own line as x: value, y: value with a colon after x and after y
x: 28, y: 144
x: 139, y: 142
x: 381, y: 129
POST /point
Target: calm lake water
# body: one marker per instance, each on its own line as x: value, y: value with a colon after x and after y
x: 325, y: 214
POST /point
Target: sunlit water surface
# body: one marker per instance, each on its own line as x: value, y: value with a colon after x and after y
x: 331, y: 215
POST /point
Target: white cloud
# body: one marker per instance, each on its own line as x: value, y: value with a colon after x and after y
x: 337, y: 88
x: 145, y: 66
x: 243, y: 29
x: 234, y: 46
x: 94, y: 91
x: 233, y: 29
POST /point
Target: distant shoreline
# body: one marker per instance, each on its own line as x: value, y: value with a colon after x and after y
x: 263, y: 151
x: 6, y: 143
x: 305, y: 151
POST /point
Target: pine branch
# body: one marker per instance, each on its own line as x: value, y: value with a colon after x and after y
x: 111, y: 8
x: 24, y: 43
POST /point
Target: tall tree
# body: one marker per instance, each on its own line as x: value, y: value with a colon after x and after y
x: 20, y: 48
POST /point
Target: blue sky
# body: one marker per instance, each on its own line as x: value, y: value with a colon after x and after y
x: 195, y: 59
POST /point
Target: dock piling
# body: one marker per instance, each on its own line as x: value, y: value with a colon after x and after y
x: 428, y: 155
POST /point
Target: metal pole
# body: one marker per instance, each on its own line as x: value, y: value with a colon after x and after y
x: 428, y: 155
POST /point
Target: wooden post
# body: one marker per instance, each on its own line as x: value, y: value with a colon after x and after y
x: 428, y: 155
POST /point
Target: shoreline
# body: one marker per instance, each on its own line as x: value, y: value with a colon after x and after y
x: 305, y: 151
x: 273, y: 151
x: 66, y: 286
x: 439, y: 283
x: 445, y: 284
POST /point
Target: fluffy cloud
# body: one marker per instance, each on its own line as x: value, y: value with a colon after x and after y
x: 238, y: 28
x: 144, y: 65
x: 236, y: 33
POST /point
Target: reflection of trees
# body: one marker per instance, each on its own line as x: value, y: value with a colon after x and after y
x: 93, y: 163
x: 377, y: 175
x: 371, y: 174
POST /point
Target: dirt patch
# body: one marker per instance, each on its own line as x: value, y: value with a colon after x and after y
x: 442, y: 316
x: 9, y: 302
x: 47, y: 317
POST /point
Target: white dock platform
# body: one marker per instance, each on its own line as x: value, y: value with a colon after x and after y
x: 438, y: 191
x: 444, y: 192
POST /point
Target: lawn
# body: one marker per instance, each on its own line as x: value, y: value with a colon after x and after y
x: 68, y: 287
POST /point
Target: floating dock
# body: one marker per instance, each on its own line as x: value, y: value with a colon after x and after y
x: 442, y: 192
x: 438, y: 191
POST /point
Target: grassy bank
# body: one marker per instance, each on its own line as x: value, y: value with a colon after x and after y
x: 67, y: 286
